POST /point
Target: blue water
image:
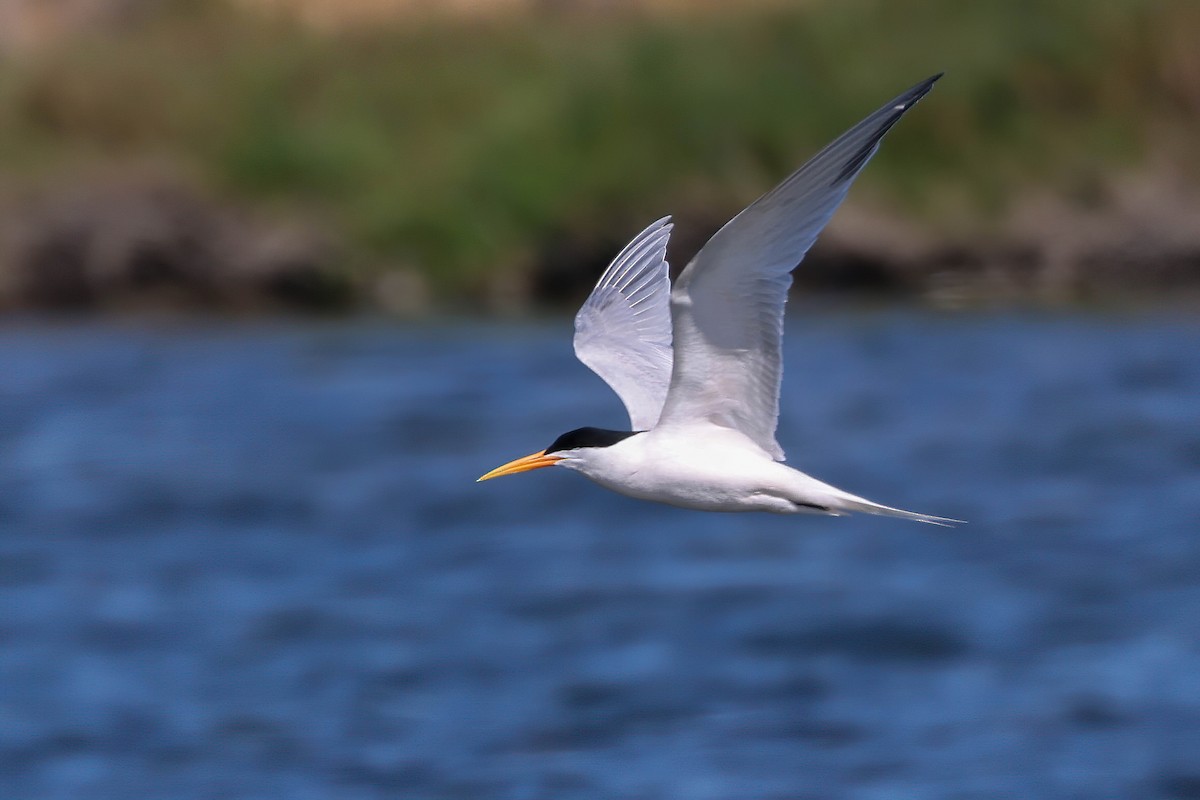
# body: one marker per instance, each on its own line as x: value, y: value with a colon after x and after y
x: 250, y: 561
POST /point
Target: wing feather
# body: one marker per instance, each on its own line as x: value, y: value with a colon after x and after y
x: 728, y: 303
x: 623, y: 329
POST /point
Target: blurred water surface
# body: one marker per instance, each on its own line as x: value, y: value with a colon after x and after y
x: 251, y: 561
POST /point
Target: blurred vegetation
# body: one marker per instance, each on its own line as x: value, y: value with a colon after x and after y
x: 457, y: 149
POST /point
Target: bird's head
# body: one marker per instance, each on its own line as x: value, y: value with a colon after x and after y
x: 573, y: 445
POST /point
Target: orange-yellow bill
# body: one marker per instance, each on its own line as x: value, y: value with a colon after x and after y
x: 534, y: 461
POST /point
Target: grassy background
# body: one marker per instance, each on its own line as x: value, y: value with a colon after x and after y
x: 458, y: 148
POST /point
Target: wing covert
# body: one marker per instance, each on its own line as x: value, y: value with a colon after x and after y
x: 728, y: 304
x: 623, y: 329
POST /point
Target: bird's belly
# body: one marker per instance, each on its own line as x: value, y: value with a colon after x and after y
x: 708, y: 481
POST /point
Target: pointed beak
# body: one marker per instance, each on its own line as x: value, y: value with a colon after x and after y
x: 535, y: 461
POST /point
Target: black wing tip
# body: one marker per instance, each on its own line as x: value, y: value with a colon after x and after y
x: 898, y: 107
x: 906, y: 100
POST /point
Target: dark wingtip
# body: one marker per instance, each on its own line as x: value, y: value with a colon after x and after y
x: 928, y: 83
x: 920, y: 90
x: 895, y: 110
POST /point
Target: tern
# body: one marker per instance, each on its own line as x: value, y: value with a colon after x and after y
x: 698, y: 366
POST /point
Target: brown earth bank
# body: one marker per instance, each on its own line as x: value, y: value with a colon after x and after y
x: 141, y: 243
x: 153, y: 243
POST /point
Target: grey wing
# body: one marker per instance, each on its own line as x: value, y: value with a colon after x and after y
x: 728, y: 303
x: 623, y: 330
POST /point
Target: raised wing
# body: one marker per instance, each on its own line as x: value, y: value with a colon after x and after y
x: 623, y: 330
x: 728, y: 304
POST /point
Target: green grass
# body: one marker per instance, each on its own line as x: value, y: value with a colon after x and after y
x: 457, y: 148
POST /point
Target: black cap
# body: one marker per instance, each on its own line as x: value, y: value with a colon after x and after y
x: 588, y: 437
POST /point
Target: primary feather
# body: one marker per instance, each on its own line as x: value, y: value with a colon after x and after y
x: 727, y: 305
x: 623, y: 330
